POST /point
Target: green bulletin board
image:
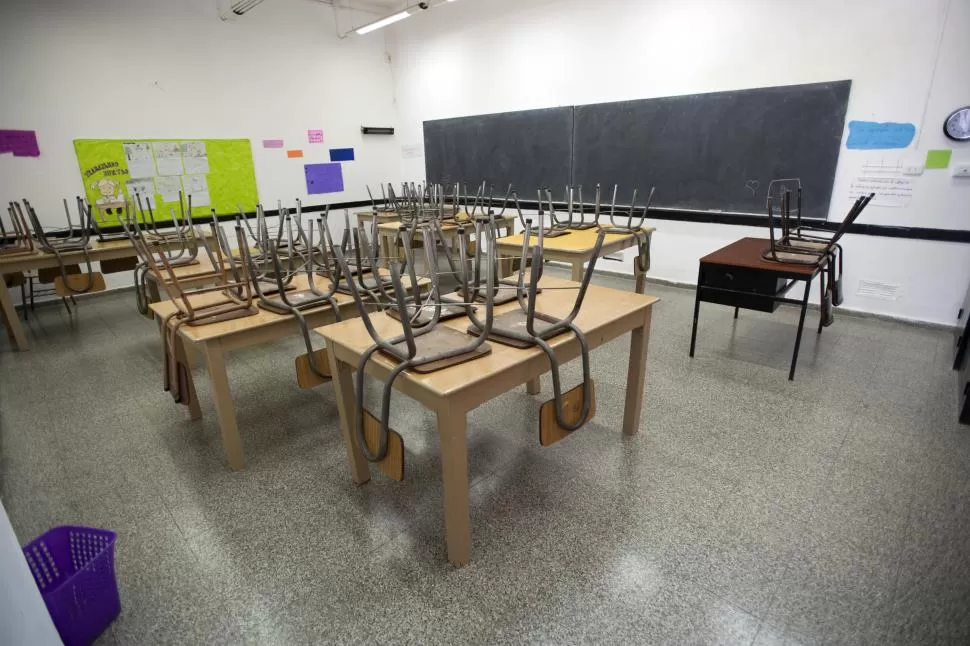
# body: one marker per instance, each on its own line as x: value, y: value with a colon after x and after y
x: 218, y: 173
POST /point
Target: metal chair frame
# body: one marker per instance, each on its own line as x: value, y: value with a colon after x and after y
x: 70, y: 244
x: 296, y: 302
x: 526, y: 297
x: 22, y: 242
x: 410, y: 357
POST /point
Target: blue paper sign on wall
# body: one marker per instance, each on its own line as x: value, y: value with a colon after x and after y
x: 871, y: 135
x: 324, y: 178
x: 341, y: 154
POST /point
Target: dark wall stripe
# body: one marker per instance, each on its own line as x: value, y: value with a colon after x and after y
x: 701, y: 217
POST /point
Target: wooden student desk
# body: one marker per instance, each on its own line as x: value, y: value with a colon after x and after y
x: 576, y: 249
x: 156, y: 291
x: 216, y: 340
x: 453, y: 392
x: 97, y: 252
x: 737, y: 276
x: 366, y: 217
x: 388, y: 232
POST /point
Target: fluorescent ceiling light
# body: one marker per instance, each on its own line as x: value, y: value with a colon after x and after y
x: 383, y: 22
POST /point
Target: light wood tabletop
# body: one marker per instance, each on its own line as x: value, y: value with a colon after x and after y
x: 201, y: 273
x: 387, y: 233
x: 452, y: 392
x: 576, y: 249
x: 97, y: 252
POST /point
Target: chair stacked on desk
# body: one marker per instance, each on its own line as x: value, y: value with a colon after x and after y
x: 230, y: 298
x: 804, y: 245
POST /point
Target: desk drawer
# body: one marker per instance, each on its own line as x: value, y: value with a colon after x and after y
x: 754, y: 283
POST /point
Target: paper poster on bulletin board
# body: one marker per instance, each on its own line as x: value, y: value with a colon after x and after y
x: 218, y: 173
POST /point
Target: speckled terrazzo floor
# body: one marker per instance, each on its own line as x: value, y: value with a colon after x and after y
x: 749, y: 510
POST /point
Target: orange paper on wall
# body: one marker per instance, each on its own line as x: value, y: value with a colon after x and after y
x: 294, y: 153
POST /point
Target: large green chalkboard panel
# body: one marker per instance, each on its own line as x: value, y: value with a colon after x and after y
x: 716, y: 151
x: 529, y: 149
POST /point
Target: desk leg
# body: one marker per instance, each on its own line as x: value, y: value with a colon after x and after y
x: 578, y: 271
x: 343, y: 386
x: 697, y: 311
x: 387, y: 248
x: 505, y: 266
x: 10, y: 319
x: 635, y: 373
x: 798, y: 335
x: 821, y: 301
x: 215, y: 361
x: 184, y: 355
x: 454, y: 470
x: 534, y: 386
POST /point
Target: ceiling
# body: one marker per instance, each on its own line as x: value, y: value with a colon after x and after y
x: 375, y: 6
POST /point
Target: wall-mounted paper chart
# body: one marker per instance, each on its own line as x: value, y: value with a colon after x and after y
x: 197, y: 187
x: 139, y: 158
x: 169, y: 187
x: 145, y: 189
x: 194, y: 157
x: 168, y: 157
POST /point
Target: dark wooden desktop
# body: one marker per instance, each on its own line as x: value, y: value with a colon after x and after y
x: 737, y: 276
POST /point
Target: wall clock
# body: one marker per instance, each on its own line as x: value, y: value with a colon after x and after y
x: 957, y: 125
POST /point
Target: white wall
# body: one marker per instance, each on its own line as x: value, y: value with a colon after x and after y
x: 500, y: 55
x: 171, y: 68
x: 23, y: 616
x: 118, y: 69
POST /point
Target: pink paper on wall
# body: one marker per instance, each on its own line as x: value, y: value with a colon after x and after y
x: 315, y: 136
x: 22, y: 143
x: 272, y: 143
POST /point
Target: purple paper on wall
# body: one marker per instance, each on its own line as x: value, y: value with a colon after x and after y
x: 324, y: 178
x: 272, y: 143
x: 22, y: 143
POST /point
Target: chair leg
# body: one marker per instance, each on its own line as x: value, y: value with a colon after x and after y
x: 23, y: 298
x: 821, y: 302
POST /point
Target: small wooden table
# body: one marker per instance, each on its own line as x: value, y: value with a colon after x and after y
x: 215, y: 340
x: 453, y: 392
x: 97, y: 252
x: 189, y: 276
x: 388, y: 232
x: 737, y: 276
x: 366, y: 217
x: 576, y: 249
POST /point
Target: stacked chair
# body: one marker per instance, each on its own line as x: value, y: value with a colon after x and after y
x: 805, y: 245
x: 231, y: 296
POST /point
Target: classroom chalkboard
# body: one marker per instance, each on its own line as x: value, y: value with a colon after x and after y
x: 716, y: 151
x: 528, y: 149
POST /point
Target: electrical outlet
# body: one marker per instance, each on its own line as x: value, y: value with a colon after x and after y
x: 961, y: 170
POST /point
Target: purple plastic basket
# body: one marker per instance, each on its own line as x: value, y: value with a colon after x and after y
x: 75, y: 570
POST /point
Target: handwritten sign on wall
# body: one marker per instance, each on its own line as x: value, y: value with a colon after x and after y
x: 870, y: 135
